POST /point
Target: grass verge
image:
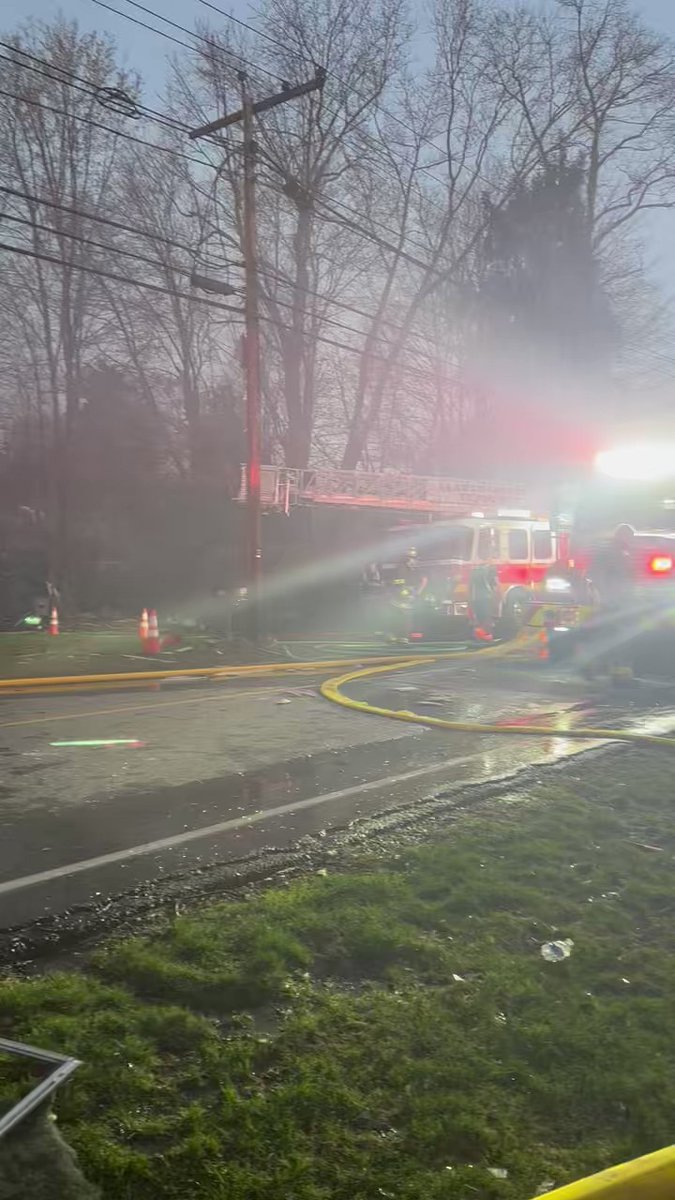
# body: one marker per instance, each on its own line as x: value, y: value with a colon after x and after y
x: 34, y: 654
x: 391, y: 1029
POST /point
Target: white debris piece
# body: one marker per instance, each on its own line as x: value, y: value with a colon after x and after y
x: 557, y: 951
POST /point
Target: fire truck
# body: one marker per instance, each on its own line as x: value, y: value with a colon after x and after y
x: 452, y: 526
x: 456, y: 527
x: 632, y: 490
x: 518, y: 547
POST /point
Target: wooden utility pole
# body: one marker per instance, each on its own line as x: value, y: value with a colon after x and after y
x: 246, y: 115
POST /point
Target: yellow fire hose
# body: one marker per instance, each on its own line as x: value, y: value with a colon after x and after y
x: 332, y: 690
x: 651, y: 1177
x: 219, y: 672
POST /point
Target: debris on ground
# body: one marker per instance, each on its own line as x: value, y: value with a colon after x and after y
x: 557, y: 951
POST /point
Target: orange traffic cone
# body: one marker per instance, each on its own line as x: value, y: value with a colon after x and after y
x: 143, y: 626
x: 54, y: 623
x: 152, y: 644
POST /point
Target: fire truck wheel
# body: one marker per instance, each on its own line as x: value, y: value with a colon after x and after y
x: 513, y: 615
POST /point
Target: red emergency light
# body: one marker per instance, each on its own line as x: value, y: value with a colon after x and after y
x: 660, y: 564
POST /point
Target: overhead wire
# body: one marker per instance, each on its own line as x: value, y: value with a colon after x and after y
x: 344, y: 304
x: 157, y: 288
x: 78, y: 237
x: 90, y: 88
x: 221, y: 49
x: 453, y: 374
x: 181, y: 271
x: 306, y: 58
x: 332, y: 74
x: 129, y: 137
x: 150, y: 287
x: 80, y: 83
x: 85, y: 215
x: 213, y: 45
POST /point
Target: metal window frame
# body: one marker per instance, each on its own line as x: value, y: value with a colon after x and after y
x: 62, y: 1068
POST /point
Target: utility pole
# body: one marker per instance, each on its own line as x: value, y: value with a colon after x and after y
x: 245, y: 116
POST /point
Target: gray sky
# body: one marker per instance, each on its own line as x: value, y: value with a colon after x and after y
x: 147, y: 52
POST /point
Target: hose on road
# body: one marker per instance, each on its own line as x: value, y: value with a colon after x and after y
x: 331, y: 689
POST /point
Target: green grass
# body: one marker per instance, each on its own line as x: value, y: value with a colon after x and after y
x: 34, y: 654
x: 391, y: 1030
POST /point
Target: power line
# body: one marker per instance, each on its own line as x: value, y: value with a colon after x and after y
x: 401, y: 253
x: 89, y: 216
x: 80, y: 84
x: 150, y: 287
x: 77, y: 237
x: 235, y: 54
x: 183, y: 29
x: 350, y: 87
x: 338, y: 324
x: 354, y: 212
x: 258, y: 32
x: 365, y: 233
x: 343, y: 83
x: 128, y: 137
x: 360, y: 312
x: 89, y: 87
x: 153, y: 263
x: 92, y: 88
x: 305, y: 58
x: 261, y: 70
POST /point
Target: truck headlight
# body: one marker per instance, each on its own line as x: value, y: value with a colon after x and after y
x: 556, y: 584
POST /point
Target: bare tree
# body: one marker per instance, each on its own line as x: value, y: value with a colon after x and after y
x: 57, y: 145
x: 177, y: 344
x: 305, y: 149
x: 591, y: 80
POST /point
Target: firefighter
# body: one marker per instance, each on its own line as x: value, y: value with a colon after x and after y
x: 612, y: 569
x: 484, y: 600
x: 612, y: 577
x: 407, y: 587
x: 415, y: 579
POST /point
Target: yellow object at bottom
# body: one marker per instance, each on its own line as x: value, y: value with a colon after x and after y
x: 649, y: 1178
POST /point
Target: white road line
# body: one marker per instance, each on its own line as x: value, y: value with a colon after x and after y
x: 178, y: 839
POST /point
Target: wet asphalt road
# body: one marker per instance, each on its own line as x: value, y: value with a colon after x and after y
x: 216, y: 771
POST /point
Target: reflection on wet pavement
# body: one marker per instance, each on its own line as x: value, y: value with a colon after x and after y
x: 311, y: 786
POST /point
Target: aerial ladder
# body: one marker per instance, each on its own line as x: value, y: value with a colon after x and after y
x: 284, y: 488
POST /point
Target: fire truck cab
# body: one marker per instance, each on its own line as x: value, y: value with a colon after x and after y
x: 520, y: 547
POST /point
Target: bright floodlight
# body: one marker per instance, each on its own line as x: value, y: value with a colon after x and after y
x: 637, y: 462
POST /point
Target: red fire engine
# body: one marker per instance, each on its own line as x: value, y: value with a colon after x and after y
x: 468, y: 524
